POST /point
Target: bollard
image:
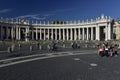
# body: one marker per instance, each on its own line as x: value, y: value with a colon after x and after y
x: 93, y: 46
x: 19, y: 46
x: 12, y: 47
x: 31, y: 48
x: 85, y: 45
x: 63, y: 45
x: 40, y: 47
x: 9, y: 50
x: 48, y: 47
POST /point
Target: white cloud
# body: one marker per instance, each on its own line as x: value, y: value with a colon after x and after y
x: 39, y: 18
x: 5, y: 11
x: 45, y: 16
x: 36, y: 16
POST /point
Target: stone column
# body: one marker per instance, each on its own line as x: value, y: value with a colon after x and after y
x: 71, y: 34
x: 59, y: 34
x: 67, y: 34
x: 87, y: 33
x: 36, y: 34
x: 109, y: 31
x: 17, y: 33
x: 75, y: 34
x: 55, y: 34
x: 48, y: 33
x: 63, y: 34
x: 40, y: 34
x: 27, y: 34
x: 97, y: 33
x: 12, y: 33
x: 79, y: 33
x: 91, y: 33
x: 83, y: 34
x: 52, y: 34
x: 44, y: 35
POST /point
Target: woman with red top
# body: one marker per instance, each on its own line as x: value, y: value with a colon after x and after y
x: 115, y: 51
x: 101, y: 51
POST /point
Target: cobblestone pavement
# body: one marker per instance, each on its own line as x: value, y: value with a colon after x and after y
x: 86, y: 65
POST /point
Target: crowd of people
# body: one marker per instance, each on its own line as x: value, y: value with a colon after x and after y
x: 108, y: 50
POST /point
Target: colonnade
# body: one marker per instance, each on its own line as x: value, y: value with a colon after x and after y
x: 100, y: 29
x: 13, y: 32
x: 64, y: 33
x: 98, y: 32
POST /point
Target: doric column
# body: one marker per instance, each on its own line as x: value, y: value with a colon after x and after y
x: 71, y: 34
x: 27, y: 34
x: 97, y: 33
x: 63, y: 34
x: 36, y: 34
x: 48, y: 34
x: 44, y: 35
x: 52, y: 34
x: 55, y: 34
x: 12, y: 33
x: 40, y: 34
x: 109, y: 31
x: 17, y: 33
x: 91, y: 33
x: 59, y: 34
x: 75, y: 34
x: 67, y: 34
x: 79, y: 33
x: 87, y: 33
x: 83, y: 34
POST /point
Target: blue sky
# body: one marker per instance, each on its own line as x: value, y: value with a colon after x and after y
x: 66, y: 10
